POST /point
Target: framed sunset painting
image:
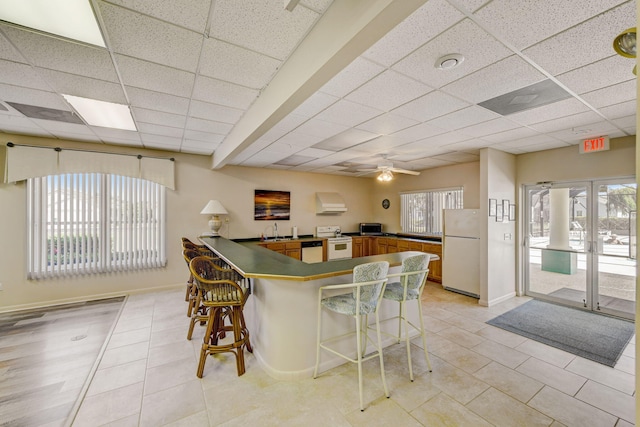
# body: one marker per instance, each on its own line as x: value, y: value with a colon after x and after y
x: 272, y: 205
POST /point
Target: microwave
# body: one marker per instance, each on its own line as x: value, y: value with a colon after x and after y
x: 370, y: 229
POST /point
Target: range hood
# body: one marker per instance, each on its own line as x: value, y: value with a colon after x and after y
x: 330, y: 203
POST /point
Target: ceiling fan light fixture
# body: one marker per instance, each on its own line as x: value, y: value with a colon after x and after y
x: 449, y: 62
x: 625, y: 43
x: 385, y: 176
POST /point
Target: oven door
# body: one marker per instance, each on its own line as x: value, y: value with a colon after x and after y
x: 339, y: 249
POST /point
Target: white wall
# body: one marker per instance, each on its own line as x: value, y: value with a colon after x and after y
x: 196, y: 183
x: 498, y: 258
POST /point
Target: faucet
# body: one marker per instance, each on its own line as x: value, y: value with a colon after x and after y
x: 275, y: 231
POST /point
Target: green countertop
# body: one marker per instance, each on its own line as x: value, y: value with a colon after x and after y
x: 252, y: 260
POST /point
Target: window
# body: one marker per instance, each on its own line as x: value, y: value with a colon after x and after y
x: 93, y: 223
x: 421, y: 211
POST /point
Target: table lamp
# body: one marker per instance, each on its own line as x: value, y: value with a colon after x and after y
x: 214, y: 208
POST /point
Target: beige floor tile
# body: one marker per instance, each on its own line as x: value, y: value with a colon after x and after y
x: 383, y: 412
x: 125, y: 354
x: 626, y: 364
x: 433, y: 324
x: 502, y: 354
x: 109, y: 407
x: 172, y: 404
x: 501, y: 336
x: 466, y: 323
x: 516, y: 385
x: 443, y: 411
x: 170, y: 352
x: 603, y: 374
x: 130, y: 421
x: 169, y: 375
x: 461, y: 357
x: 609, y: 400
x: 199, y: 419
x: 117, y: 376
x: 502, y: 410
x: 547, y: 353
x: 456, y: 383
x: 569, y: 410
x: 131, y: 323
x: 461, y: 336
x: 167, y: 336
x: 565, y: 381
x: 128, y: 338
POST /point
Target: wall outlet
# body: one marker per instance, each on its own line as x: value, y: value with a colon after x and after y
x: 226, y: 220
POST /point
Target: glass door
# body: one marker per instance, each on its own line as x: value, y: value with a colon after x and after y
x: 581, y: 245
x: 557, y: 243
x: 614, y: 290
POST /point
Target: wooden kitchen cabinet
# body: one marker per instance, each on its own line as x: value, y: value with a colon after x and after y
x: 291, y: 249
x: 361, y: 246
x: 435, y: 266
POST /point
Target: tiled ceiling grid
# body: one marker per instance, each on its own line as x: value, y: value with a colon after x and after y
x: 191, y: 70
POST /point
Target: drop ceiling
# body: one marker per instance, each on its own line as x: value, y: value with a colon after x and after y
x: 330, y: 87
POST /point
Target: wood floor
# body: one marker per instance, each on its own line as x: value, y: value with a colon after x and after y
x: 50, y: 352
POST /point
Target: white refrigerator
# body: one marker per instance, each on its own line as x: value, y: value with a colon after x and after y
x: 461, y: 251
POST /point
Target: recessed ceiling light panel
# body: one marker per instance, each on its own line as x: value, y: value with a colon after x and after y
x: 448, y: 62
x: 101, y: 113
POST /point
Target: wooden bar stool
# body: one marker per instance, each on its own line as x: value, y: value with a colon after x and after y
x: 222, y: 297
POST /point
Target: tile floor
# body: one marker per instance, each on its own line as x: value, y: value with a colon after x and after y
x: 482, y: 376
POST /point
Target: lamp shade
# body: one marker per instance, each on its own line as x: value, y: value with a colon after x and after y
x: 214, y: 207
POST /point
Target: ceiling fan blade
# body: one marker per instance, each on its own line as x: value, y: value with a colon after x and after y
x: 408, y: 172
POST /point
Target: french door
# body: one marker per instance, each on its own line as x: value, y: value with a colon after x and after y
x: 580, y: 246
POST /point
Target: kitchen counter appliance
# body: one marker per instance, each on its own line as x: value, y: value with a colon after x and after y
x: 311, y: 251
x: 370, y: 229
x: 338, y: 246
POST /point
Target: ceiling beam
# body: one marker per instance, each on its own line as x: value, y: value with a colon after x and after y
x: 346, y: 30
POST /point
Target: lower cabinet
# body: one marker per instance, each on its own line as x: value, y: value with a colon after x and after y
x: 291, y: 249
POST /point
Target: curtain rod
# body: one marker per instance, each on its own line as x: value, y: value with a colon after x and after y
x: 139, y: 156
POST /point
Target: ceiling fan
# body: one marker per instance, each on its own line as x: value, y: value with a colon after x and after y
x: 387, y: 170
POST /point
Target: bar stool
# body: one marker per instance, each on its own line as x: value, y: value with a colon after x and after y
x: 222, y: 297
x: 366, y: 293
x: 413, y: 278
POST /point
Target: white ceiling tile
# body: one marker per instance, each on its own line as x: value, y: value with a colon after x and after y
x: 55, y: 126
x: 152, y: 129
x: 387, y: 123
x: 550, y: 145
x: 160, y: 141
x: 298, y: 140
x: 7, y: 51
x: 159, y: 118
x: 591, y: 77
x: 261, y: 25
x: 351, y: 77
x: 430, y: 106
x: 562, y: 108
x: 320, y: 128
x: 314, y: 104
x: 60, y: 55
x: 525, y: 142
x: 348, y: 113
x: 421, y: 26
x: 472, y: 5
x: 468, y: 145
x: 345, y: 140
x: 619, y: 110
x: 463, y: 118
x: 513, y: 19
x: 610, y: 95
x: 223, y: 93
x: 628, y: 122
x: 140, y: 36
x: 237, y: 65
x: 157, y: 101
x: 84, y: 137
x: 289, y: 123
x: 194, y: 149
x: 452, y: 137
x: 13, y: 122
x: 190, y: 14
x: 418, y: 149
x: 318, y: 6
x: 24, y: 75
x: 502, y: 77
x: 315, y: 152
x: 219, y: 113
x: 85, y: 87
x: 417, y: 132
x: 146, y: 75
x: 429, y: 162
x: 32, y: 97
x: 381, y: 144
x: 124, y: 142
x: 258, y: 145
x: 467, y: 39
x: 203, y: 136
x: 114, y: 135
x: 458, y: 157
x: 567, y: 122
x: 510, y: 135
x: 578, y: 133
x: 488, y: 128
x: 159, y: 145
x: 554, y: 56
x: 209, y: 126
x: 388, y: 91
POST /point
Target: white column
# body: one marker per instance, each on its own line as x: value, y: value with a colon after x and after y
x: 559, y: 219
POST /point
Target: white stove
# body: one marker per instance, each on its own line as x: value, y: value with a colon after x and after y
x: 338, y: 246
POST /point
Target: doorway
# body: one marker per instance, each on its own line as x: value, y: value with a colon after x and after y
x: 580, y: 246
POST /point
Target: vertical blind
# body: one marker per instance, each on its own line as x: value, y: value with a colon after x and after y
x: 421, y: 211
x: 92, y: 223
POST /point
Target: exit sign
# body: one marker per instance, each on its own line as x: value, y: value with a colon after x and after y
x: 591, y: 145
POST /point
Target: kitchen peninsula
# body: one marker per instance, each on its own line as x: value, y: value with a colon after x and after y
x: 281, y: 313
